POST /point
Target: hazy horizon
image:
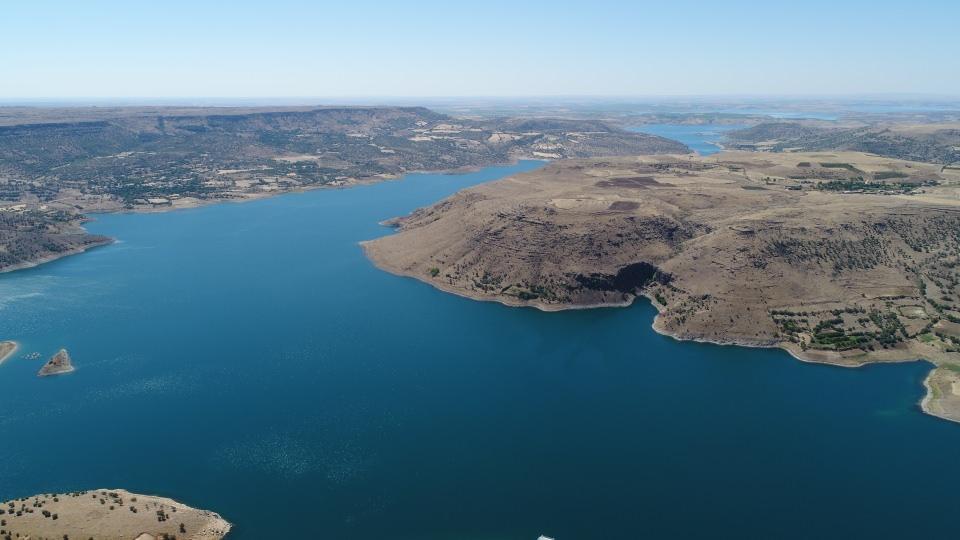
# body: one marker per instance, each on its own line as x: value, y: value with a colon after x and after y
x: 950, y: 102
x: 299, y: 50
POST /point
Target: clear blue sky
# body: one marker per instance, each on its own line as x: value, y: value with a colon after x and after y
x: 277, y: 48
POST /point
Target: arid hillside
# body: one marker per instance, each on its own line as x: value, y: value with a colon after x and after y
x: 134, y: 158
x: 842, y: 258
x: 107, y: 514
x: 32, y: 236
x: 929, y: 142
x: 57, y: 162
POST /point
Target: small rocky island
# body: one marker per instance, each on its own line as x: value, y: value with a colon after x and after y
x: 58, y: 365
x: 107, y: 514
x: 7, y: 348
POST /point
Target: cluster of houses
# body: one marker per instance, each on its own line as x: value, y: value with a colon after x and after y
x: 21, y: 207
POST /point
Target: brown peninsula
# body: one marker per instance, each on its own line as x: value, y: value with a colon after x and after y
x: 842, y: 258
x: 107, y: 514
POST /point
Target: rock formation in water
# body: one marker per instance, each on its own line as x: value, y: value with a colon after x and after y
x: 60, y: 363
x: 7, y: 348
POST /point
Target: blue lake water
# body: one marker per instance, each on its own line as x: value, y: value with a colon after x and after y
x: 247, y: 358
x: 700, y: 138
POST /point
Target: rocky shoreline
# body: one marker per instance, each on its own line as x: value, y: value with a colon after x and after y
x: 58, y: 364
x: 56, y: 256
x: 747, y: 254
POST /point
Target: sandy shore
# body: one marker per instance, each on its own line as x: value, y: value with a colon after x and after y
x: 942, y: 398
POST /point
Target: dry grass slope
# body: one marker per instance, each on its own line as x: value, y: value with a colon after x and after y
x: 771, y: 250
x: 107, y: 514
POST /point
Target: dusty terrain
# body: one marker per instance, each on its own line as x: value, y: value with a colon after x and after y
x: 107, y: 514
x: 943, y: 392
x: 842, y: 258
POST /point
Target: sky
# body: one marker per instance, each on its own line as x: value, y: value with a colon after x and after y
x: 362, y: 48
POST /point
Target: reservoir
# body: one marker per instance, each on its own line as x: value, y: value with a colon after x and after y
x: 702, y: 139
x: 248, y: 359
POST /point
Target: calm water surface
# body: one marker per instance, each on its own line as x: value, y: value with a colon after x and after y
x: 700, y: 138
x: 248, y: 359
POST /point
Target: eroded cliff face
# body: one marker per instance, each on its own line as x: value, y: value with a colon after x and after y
x: 737, y: 249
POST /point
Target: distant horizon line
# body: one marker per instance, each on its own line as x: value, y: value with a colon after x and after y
x: 317, y: 100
